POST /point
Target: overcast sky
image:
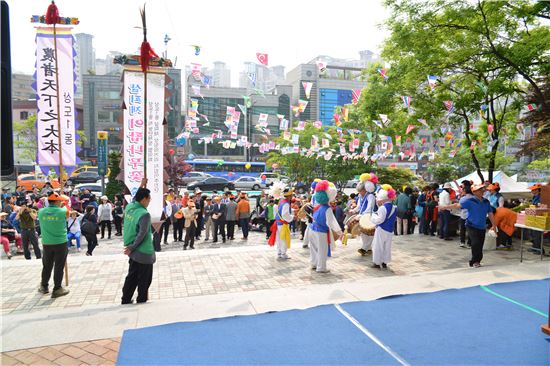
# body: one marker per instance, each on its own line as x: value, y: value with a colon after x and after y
x: 290, y: 31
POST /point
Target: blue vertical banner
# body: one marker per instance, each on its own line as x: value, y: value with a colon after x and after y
x: 102, y: 138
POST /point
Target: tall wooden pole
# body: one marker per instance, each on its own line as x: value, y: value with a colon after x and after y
x: 145, y: 125
x: 60, y: 148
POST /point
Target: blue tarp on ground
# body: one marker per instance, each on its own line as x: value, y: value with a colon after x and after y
x: 467, y: 326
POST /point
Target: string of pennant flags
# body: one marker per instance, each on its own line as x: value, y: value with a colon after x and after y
x: 348, y: 140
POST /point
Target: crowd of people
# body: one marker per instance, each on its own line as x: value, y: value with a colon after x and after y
x: 20, y: 221
x: 320, y: 219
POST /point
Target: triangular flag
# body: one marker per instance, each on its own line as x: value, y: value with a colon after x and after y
x: 345, y: 113
x: 252, y: 77
x: 262, y: 57
x: 410, y: 128
x: 355, y: 95
x: 322, y: 66
x: 307, y: 88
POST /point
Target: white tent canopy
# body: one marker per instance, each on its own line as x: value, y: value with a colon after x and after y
x: 508, y: 186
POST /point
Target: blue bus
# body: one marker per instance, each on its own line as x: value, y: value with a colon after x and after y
x: 229, y: 170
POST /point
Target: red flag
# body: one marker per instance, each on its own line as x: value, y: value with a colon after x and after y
x: 355, y: 95
x: 262, y: 57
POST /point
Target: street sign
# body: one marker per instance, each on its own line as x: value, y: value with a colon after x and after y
x: 102, y: 138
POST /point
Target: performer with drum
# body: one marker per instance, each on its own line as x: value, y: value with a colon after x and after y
x: 384, y: 219
x: 320, y: 236
x: 366, y: 206
x: 280, y: 230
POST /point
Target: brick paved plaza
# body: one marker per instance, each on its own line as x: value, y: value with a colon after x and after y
x: 213, y: 276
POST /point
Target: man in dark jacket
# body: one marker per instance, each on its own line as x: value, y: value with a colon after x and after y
x: 218, y: 217
x: 138, y: 245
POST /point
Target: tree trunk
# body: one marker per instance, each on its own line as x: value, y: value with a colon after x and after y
x: 472, y: 151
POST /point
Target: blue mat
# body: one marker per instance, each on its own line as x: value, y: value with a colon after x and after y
x: 307, y: 337
x: 467, y: 326
x: 536, y: 296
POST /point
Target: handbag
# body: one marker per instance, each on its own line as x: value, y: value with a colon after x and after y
x: 88, y: 227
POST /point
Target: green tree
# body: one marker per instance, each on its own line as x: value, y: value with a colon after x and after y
x: 543, y: 164
x: 114, y: 186
x: 24, y: 134
x: 396, y: 177
x: 479, y: 51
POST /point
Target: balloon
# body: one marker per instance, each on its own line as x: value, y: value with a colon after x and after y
x: 263, y: 177
x: 191, y: 156
x: 220, y: 162
x: 274, y: 166
x: 247, y: 166
x: 171, y: 151
x: 230, y: 174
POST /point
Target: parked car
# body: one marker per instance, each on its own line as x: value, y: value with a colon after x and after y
x: 211, y: 184
x: 94, y: 188
x: 84, y: 177
x: 352, y: 183
x: 274, y: 177
x: 194, y: 177
x: 88, y: 168
x: 27, y: 181
x: 249, y: 183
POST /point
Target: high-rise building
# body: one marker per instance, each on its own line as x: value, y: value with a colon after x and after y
x: 85, y: 58
x: 102, y: 108
x: 221, y: 76
x: 110, y: 67
x: 266, y: 77
x: 214, y: 103
x: 173, y: 115
x: 21, y: 85
x: 327, y: 92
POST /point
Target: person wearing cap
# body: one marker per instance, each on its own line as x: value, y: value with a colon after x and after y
x: 535, y: 191
x: 208, y: 224
x: 465, y: 191
x: 535, y: 236
x: 75, y: 201
x: 27, y: 218
x: 444, y: 213
x: 231, y: 217
x: 73, y: 229
x: 105, y: 216
x: 280, y: 232
x: 324, y: 221
x: 190, y: 216
x: 384, y: 218
x: 495, y: 197
x: 138, y: 246
x: 8, y: 234
x: 366, y: 204
x: 199, y: 206
x: 479, y: 209
x: 53, y: 229
x: 243, y: 214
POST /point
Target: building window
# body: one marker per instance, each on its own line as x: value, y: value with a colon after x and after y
x: 23, y: 115
x: 103, y: 116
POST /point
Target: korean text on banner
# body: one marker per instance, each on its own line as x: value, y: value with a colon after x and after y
x: 46, y: 95
x: 134, y: 124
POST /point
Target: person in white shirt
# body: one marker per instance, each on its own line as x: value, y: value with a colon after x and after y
x: 444, y: 213
x: 73, y: 229
x: 105, y: 216
x: 324, y: 221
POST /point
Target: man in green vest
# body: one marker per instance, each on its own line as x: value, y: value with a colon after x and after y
x: 138, y: 245
x: 53, y: 229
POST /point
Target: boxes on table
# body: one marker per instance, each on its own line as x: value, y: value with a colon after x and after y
x: 520, y: 218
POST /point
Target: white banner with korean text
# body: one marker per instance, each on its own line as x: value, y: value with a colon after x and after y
x: 47, y: 93
x: 134, y: 136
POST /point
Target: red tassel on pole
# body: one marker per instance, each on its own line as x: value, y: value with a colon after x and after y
x: 52, y: 14
x: 146, y: 52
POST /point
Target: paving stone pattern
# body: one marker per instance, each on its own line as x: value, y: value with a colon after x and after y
x: 99, y: 279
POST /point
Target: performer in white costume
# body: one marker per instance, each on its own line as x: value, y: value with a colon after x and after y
x: 280, y: 231
x: 384, y: 219
x: 320, y: 236
x: 366, y: 205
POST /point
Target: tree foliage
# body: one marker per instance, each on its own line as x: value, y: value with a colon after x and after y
x: 484, y: 54
x: 114, y: 186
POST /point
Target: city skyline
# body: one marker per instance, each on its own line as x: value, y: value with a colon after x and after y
x: 234, y: 44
